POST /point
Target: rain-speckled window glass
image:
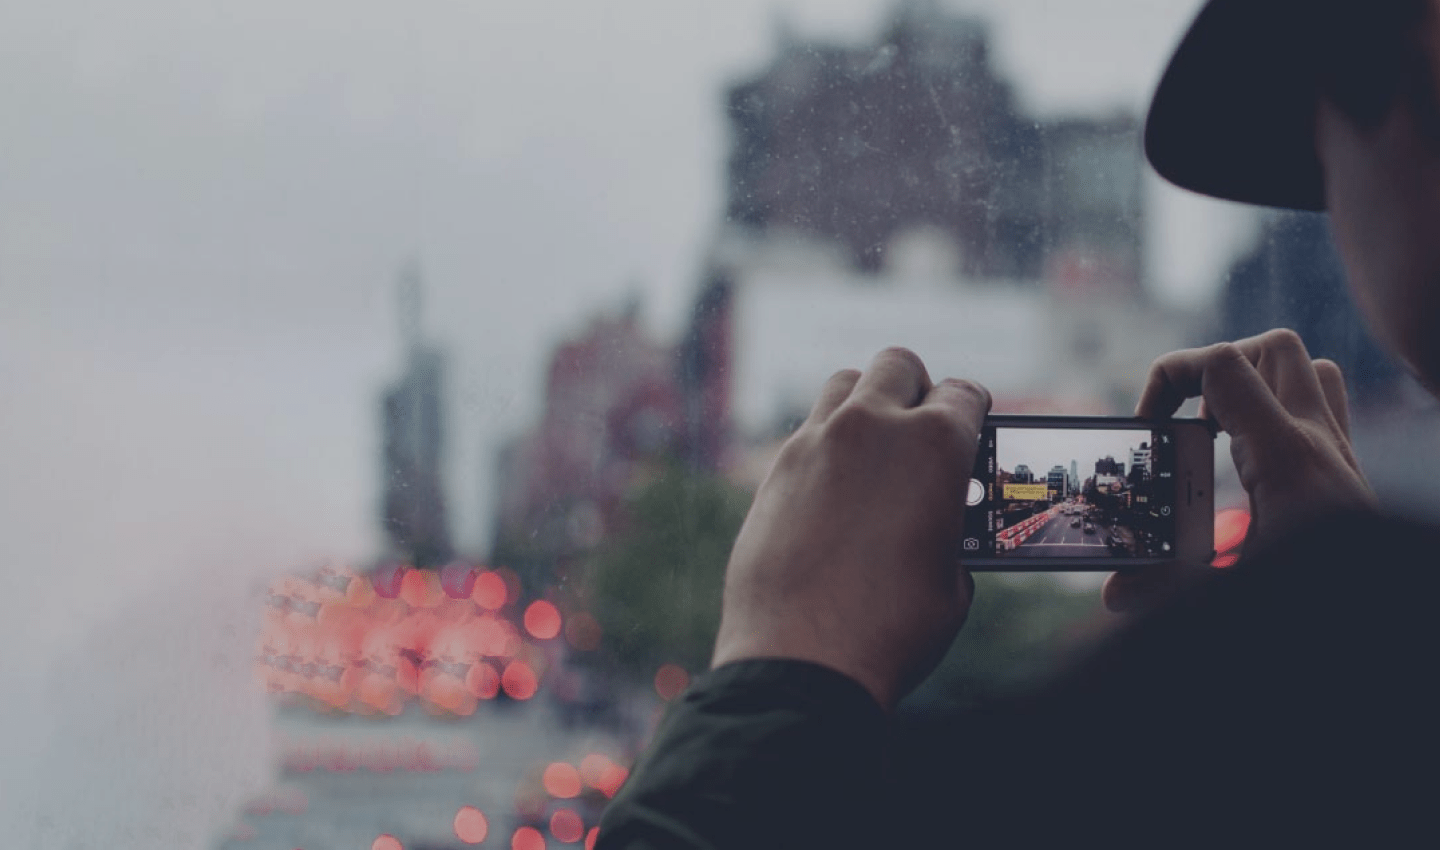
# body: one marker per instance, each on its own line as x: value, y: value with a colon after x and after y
x: 384, y: 383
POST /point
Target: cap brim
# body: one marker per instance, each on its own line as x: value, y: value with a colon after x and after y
x: 1234, y: 114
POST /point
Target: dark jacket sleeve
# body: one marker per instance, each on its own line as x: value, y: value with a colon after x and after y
x: 1287, y: 701
x: 757, y: 754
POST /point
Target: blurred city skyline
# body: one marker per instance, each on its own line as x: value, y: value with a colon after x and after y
x: 240, y: 242
x: 205, y: 210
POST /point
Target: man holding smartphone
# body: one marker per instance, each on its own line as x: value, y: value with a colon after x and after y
x: 1284, y: 701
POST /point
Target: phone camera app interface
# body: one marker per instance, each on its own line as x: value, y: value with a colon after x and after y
x: 1072, y: 493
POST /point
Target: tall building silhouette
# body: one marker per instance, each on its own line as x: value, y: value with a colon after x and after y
x: 612, y: 408
x: 412, y: 507
x: 859, y: 143
x: 847, y: 157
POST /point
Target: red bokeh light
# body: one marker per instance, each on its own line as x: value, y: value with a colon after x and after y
x: 671, y: 680
x: 582, y: 631
x: 421, y: 589
x: 457, y: 580
x: 489, y: 591
x: 471, y: 826
x: 450, y: 694
x: 527, y: 838
x: 1231, y: 527
x: 611, y: 779
x: 359, y: 594
x: 592, y: 767
x: 519, y: 681
x: 1225, y: 561
x: 591, y: 837
x: 482, y: 680
x: 542, y: 620
x: 566, y: 826
x: 387, y: 579
x: 386, y: 842
x: 562, y: 780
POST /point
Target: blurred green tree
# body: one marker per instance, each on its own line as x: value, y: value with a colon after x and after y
x: 655, y: 584
x: 655, y: 587
x: 1021, y: 628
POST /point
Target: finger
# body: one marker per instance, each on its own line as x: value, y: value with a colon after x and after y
x: 1124, y: 593
x: 1281, y: 359
x: 1173, y: 378
x: 834, y: 393
x: 1332, y: 384
x: 966, y: 400
x: 1235, y: 394
x: 1278, y: 357
x: 896, y: 375
x: 1238, y: 398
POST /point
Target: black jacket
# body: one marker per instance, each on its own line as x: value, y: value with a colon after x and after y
x: 1288, y: 701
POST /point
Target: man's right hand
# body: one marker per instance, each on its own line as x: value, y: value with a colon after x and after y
x: 849, y: 557
x: 1289, y: 433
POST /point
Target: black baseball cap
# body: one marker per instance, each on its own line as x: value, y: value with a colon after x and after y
x: 1234, y: 114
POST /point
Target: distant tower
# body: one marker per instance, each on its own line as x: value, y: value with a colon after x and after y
x: 412, y: 508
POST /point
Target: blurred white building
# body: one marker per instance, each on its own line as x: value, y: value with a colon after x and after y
x: 799, y: 312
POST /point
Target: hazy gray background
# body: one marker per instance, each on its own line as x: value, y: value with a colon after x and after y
x: 1040, y: 450
x: 203, y: 207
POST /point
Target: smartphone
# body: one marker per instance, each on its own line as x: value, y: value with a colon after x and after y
x: 1090, y: 493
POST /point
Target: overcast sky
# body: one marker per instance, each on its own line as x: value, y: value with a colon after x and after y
x: 203, y: 207
x: 1042, y: 449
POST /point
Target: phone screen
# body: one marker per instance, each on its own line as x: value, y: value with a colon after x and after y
x: 1045, y: 492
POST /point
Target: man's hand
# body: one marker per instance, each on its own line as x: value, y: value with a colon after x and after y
x: 1289, y: 433
x: 849, y: 556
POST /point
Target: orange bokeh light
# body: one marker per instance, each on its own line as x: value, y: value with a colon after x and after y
x: 542, y: 620
x: 611, y: 779
x: 471, y: 826
x: 583, y: 632
x: 359, y: 593
x: 562, y: 780
x: 670, y: 680
x: 527, y: 838
x: 566, y: 826
x: 1231, y: 527
x: 421, y: 589
x: 519, y: 681
x: 591, y: 837
x: 489, y: 591
x: 592, y: 767
x: 450, y: 693
x: 386, y: 841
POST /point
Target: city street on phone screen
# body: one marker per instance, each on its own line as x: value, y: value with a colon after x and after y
x: 1081, y: 493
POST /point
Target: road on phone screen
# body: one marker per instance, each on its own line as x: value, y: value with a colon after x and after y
x: 1058, y: 539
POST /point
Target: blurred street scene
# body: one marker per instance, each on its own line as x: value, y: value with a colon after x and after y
x: 275, y: 585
